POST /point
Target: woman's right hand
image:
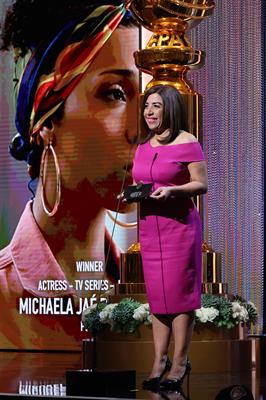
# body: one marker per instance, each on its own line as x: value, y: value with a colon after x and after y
x: 162, y: 193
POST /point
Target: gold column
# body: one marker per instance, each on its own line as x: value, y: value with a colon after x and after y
x: 211, y: 272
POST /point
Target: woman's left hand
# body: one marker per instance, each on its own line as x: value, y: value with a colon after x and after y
x: 162, y: 193
x: 121, y: 197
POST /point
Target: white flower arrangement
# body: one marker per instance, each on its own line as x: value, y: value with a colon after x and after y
x: 106, y: 314
x: 206, y: 314
x: 142, y: 314
x: 128, y: 315
x: 239, y: 312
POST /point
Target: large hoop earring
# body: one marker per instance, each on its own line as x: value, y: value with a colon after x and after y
x: 45, y: 154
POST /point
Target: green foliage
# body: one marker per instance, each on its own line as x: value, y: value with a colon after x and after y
x: 223, y: 305
x: 122, y: 316
x: 91, y: 319
x: 126, y: 316
x: 252, y: 312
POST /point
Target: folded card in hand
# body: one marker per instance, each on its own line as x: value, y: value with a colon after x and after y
x: 137, y: 192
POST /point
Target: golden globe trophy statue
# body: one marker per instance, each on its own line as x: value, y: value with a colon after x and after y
x: 169, y: 55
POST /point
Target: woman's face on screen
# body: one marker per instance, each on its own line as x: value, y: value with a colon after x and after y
x: 100, y: 120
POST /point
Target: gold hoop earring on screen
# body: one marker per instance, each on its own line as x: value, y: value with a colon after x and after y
x: 49, y: 148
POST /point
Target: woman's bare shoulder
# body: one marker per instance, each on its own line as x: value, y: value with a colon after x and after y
x: 185, y: 137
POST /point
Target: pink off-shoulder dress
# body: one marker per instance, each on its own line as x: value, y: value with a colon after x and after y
x: 170, y: 231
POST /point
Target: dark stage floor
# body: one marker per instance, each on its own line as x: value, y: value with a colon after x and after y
x: 44, y: 374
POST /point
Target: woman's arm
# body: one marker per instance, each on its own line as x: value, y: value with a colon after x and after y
x: 198, y: 184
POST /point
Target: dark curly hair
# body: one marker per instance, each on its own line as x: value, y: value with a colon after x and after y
x: 29, y: 22
x: 27, y: 25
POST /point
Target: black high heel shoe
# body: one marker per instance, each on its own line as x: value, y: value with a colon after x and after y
x: 175, y: 383
x: 154, y: 383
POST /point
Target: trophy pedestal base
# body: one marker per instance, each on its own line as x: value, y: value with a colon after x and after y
x: 85, y: 382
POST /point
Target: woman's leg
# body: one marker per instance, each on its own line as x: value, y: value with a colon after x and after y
x: 182, y: 328
x: 161, y: 329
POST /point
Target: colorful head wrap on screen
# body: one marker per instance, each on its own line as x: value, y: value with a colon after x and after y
x: 68, y: 55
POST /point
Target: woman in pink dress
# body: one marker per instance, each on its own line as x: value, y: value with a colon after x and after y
x: 170, y: 229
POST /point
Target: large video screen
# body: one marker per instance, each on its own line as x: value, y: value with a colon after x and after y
x: 52, y: 267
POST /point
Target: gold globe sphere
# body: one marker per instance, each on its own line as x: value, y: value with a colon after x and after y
x: 189, y: 13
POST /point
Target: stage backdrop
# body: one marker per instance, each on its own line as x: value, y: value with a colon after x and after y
x: 230, y: 84
x: 233, y: 120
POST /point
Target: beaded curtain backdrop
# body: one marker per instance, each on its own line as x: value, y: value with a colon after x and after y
x: 231, y: 87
